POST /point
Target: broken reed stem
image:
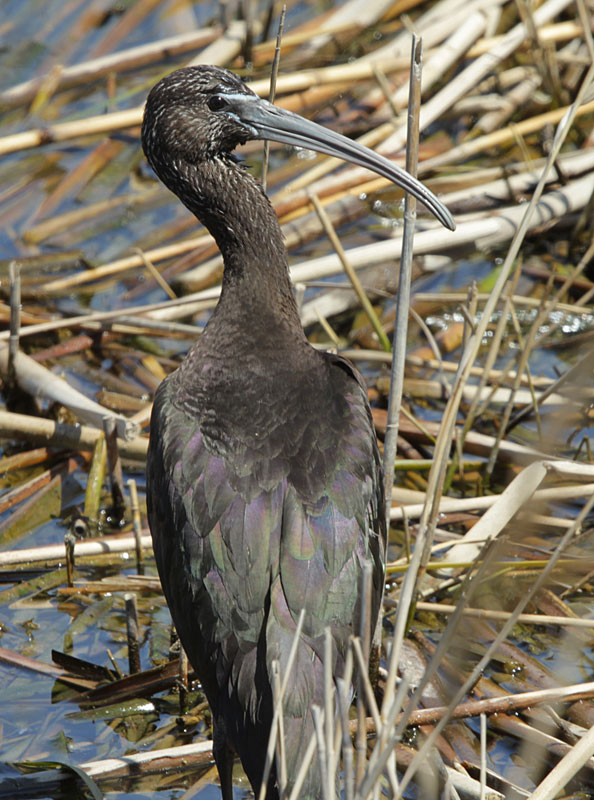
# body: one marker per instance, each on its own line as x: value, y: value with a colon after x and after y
x: 508, y: 704
x: 586, y: 22
x: 69, y: 541
x: 115, y: 465
x: 404, y: 280
x: 137, y: 525
x: 272, y: 92
x: 56, y: 552
x: 376, y: 763
x: 132, y: 633
x: 114, y: 664
x: 347, y: 679
x: 95, y: 479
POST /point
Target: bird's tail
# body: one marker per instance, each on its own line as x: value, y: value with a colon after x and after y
x: 298, y: 733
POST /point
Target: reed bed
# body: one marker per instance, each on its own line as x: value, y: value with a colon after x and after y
x: 485, y: 683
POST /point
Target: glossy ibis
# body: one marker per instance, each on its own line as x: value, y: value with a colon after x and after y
x: 264, y: 480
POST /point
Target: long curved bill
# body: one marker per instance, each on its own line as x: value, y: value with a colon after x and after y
x: 278, y: 125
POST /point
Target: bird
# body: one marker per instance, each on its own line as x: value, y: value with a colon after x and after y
x: 265, y: 489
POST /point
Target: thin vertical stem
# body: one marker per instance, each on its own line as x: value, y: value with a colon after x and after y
x: 132, y: 633
x: 281, y: 761
x: 329, y: 712
x: 272, y: 739
x: 115, y: 465
x: 400, y: 330
x: 483, y: 719
x: 398, y: 364
x: 69, y: 545
x: 318, y: 718
x: 365, y: 636
x: 347, y: 745
x: 272, y: 93
x: 137, y: 525
x: 403, y: 297
x: 248, y: 44
x: 95, y: 480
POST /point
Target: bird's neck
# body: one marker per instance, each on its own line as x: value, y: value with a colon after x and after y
x: 233, y: 207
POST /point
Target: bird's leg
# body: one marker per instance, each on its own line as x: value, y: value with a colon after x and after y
x: 224, y: 757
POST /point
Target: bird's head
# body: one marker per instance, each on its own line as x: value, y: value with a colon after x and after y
x: 198, y: 113
x: 189, y: 115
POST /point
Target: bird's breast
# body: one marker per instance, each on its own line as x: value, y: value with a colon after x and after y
x: 270, y: 421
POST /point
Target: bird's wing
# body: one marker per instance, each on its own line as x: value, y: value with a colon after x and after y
x: 212, y: 549
x: 375, y: 509
x: 237, y: 567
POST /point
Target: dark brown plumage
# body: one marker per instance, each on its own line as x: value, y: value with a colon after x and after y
x: 264, y: 481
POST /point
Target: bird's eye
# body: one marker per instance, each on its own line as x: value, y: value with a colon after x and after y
x: 217, y: 102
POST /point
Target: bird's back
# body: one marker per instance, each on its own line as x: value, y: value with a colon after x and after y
x: 262, y: 503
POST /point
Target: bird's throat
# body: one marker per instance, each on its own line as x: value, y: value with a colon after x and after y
x: 231, y: 204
